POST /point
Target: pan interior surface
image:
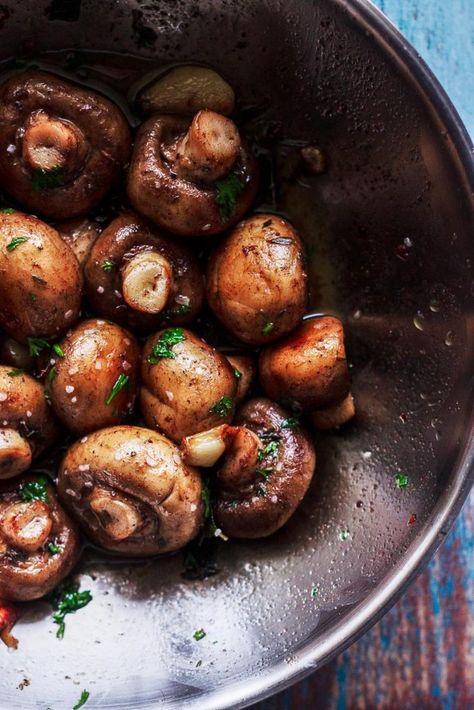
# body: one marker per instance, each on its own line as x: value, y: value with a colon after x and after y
x: 388, y: 228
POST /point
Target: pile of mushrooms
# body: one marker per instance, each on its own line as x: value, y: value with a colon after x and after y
x: 100, y: 333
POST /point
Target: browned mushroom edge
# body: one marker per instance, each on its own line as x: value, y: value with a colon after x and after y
x: 62, y: 147
x: 79, y: 234
x: 27, y: 424
x: 130, y: 490
x: 117, y: 259
x: 265, y: 472
x: 193, y: 178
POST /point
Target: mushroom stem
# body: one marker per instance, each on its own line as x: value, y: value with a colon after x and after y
x: 15, y: 453
x: 205, y: 448
x: 119, y: 517
x: 334, y: 416
x: 238, y: 468
x: 8, y: 618
x: 147, y: 282
x: 26, y: 525
x: 51, y: 143
x: 209, y: 149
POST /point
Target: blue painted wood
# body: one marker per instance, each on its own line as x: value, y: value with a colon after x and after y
x: 420, y: 656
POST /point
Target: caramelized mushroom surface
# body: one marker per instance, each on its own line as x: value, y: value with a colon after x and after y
x: 62, y: 146
x: 256, y: 279
x: 264, y: 473
x: 39, y: 544
x: 193, y: 178
x: 187, y: 386
x: 93, y: 381
x: 131, y: 492
x: 40, y: 279
x: 142, y: 278
x: 27, y: 425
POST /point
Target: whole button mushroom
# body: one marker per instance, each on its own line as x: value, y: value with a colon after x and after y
x: 40, y: 279
x: 39, y: 544
x: 265, y: 472
x: 27, y: 425
x: 142, y: 278
x: 193, y: 178
x: 187, y: 386
x: 308, y: 370
x: 62, y: 147
x: 131, y: 492
x: 93, y: 381
x: 256, y: 280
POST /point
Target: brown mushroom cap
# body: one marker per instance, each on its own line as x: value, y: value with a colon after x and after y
x: 131, y: 492
x: 179, y: 204
x: 40, y: 279
x: 62, y: 147
x: 79, y: 234
x: 190, y: 391
x: 258, y: 496
x: 99, y: 357
x: 27, y: 424
x: 256, y: 279
x: 309, y: 367
x: 28, y: 568
x: 126, y: 237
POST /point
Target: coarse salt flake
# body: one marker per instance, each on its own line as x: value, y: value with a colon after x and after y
x: 69, y: 388
x: 100, y: 289
x: 3, y: 396
x: 83, y: 467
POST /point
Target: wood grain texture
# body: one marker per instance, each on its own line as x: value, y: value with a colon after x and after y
x: 420, y: 656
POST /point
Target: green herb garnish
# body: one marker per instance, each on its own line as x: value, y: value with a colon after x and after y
x: 34, y: 490
x: 82, y: 700
x: 15, y: 242
x: 290, y: 423
x: 36, y: 345
x: 58, y: 350
x: 52, y: 372
x: 271, y: 449
x: 108, y: 265
x: 227, y: 192
x: 267, y: 328
x: 314, y: 591
x: 237, y: 374
x: 46, y: 179
x: 183, y: 309
x: 121, y: 382
x: 199, y: 634
x: 401, y: 480
x: 67, y: 599
x: 344, y: 535
x: 222, y: 407
x: 162, y: 347
x: 14, y: 373
x: 7, y: 210
x: 264, y: 472
x: 33, y: 297
x: 54, y: 549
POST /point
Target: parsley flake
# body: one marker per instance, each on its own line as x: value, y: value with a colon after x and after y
x: 237, y: 374
x: 401, y: 480
x: 222, y: 407
x: 121, y: 382
x: 290, y: 423
x: 267, y: 328
x: 162, y: 347
x: 58, y: 350
x: 227, y: 192
x: 15, y: 372
x: 264, y: 472
x: 199, y: 634
x: 15, y: 242
x: 7, y: 210
x: 82, y: 700
x: 344, y: 535
x: 54, y: 549
x: 36, y: 345
x: 314, y: 591
x: 108, y: 265
x: 67, y: 599
x: 46, y: 179
x: 34, y: 490
x: 271, y: 449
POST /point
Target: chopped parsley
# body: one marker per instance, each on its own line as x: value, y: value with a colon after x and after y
x: 222, y: 407
x: 237, y: 374
x: 264, y: 472
x: 227, y: 192
x: 290, y: 423
x: 36, y: 345
x: 344, y: 535
x: 54, y: 549
x: 58, y: 350
x: 15, y: 372
x: 35, y: 490
x: 401, y: 480
x: 121, y: 382
x: 162, y: 347
x: 271, y: 449
x: 314, y: 591
x: 7, y: 210
x: 51, y: 375
x: 15, y: 242
x: 33, y: 297
x: 108, y: 265
x: 267, y: 328
x: 82, y: 700
x: 46, y: 179
x: 199, y: 634
x: 67, y: 599
x: 183, y: 309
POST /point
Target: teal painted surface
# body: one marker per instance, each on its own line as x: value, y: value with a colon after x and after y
x: 420, y: 656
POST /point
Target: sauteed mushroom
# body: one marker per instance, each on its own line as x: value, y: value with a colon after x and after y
x: 256, y: 283
x: 79, y: 234
x: 308, y: 370
x: 131, y: 492
x: 62, y: 146
x: 265, y: 472
x: 40, y: 280
x: 192, y: 179
x: 27, y: 426
x: 141, y: 278
x: 187, y: 385
x: 15, y: 354
x: 94, y: 377
x: 39, y: 544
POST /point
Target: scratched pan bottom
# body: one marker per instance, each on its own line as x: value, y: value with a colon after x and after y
x: 389, y: 236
